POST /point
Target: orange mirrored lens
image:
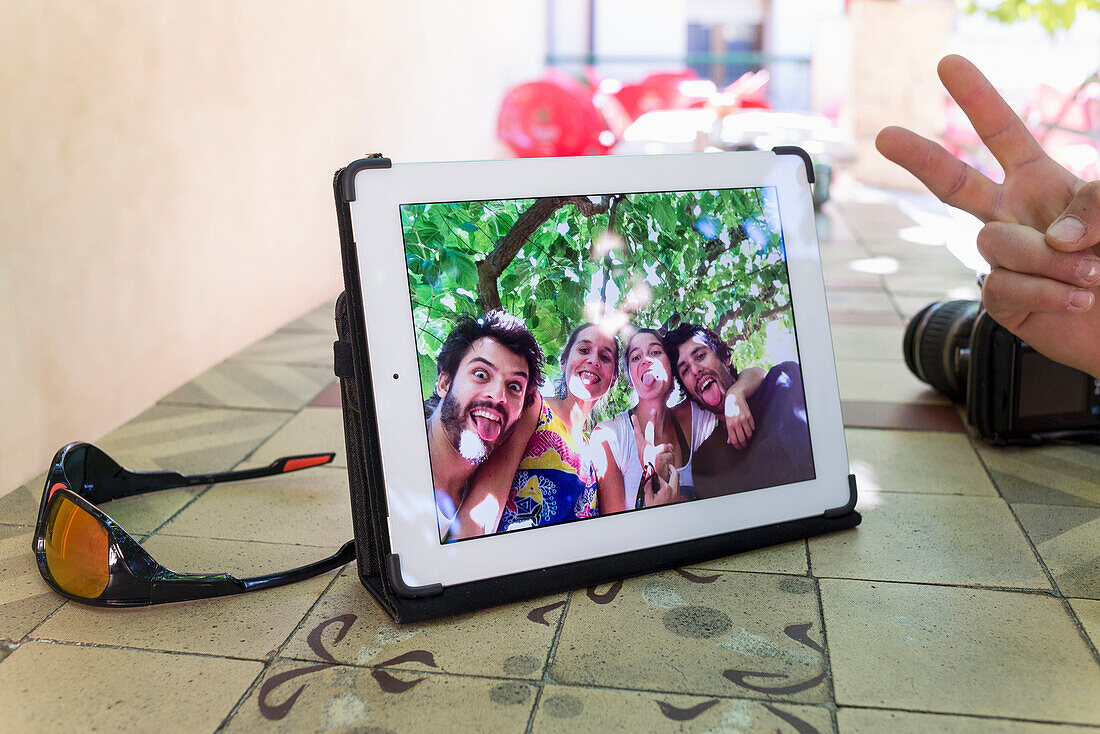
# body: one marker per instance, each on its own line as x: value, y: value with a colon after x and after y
x: 76, y: 549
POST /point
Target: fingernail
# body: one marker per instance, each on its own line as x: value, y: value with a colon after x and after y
x: 1089, y: 269
x: 1080, y: 299
x: 1067, y: 229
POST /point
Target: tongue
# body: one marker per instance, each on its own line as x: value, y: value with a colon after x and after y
x: 712, y: 395
x: 487, y: 430
x: 648, y: 379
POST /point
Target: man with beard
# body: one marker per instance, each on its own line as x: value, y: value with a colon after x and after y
x: 488, y: 370
x: 760, y: 438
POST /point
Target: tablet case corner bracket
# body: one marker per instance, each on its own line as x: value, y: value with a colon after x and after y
x: 393, y: 565
x: 374, y: 160
x: 845, y: 509
x: 795, y: 150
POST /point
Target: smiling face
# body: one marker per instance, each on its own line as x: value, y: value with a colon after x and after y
x: 648, y: 366
x: 483, y: 399
x: 590, y: 366
x: 706, y: 378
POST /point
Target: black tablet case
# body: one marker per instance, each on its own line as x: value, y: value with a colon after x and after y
x: 379, y: 568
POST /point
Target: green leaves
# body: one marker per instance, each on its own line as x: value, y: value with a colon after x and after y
x: 1052, y: 14
x: 683, y: 256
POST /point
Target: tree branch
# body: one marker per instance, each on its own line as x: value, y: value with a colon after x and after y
x: 492, y: 265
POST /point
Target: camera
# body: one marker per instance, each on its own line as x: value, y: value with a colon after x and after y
x: 1013, y: 394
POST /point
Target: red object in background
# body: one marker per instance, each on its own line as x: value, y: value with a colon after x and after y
x: 554, y: 116
x: 659, y: 91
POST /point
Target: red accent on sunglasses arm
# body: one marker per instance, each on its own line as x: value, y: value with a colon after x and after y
x: 55, y: 487
x: 304, y: 462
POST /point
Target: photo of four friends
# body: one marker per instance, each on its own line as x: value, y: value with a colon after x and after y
x: 666, y: 323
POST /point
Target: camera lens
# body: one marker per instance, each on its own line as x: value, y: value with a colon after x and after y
x: 934, y: 342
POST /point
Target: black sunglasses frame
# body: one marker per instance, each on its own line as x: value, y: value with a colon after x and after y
x: 134, y: 577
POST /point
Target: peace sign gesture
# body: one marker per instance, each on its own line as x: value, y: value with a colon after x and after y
x: 1042, y: 224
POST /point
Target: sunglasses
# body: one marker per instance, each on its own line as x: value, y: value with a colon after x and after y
x: 84, y: 555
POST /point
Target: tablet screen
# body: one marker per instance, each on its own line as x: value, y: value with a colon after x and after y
x: 581, y: 356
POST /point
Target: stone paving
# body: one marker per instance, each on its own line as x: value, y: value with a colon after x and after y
x: 967, y: 601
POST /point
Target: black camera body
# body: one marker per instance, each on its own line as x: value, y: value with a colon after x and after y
x: 1013, y: 394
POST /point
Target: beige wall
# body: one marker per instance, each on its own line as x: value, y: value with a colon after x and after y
x: 165, y: 178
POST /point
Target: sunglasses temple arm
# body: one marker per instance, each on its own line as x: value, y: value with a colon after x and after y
x: 171, y: 587
x: 141, y: 482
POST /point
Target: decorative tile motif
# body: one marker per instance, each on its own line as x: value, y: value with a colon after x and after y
x: 717, y: 634
x: 253, y: 385
x: 926, y: 538
x: 958, y: 651
x: 327, y: 697
x: 328, y: 398
x: 251, y: 625
x: 567, y: 709
x: 916, y: 461
x: 1068, y: 541
x: 47, y: 687
x: 25, y: 599
x: 349, y: 627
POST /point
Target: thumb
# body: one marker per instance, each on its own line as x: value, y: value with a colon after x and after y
x: 1078, y: 226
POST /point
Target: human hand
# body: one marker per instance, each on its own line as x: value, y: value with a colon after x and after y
x: 661, y: 464
x: 739, y: 421
x: 1041, y: 288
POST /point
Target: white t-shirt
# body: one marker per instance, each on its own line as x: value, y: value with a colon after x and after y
x: 624, y: 448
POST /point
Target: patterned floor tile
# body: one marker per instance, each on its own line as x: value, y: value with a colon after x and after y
x: 48, y: 687
x: 567, y: 709
x: 926, y: 538
x: 1068, y: 541
x: 252, y: 625
x: 25, y: 599
x: 328, y: 398
x: 310, y: 507
x: 314, y: 430
x: 789, y: 558
x: 959, y: 651
x: 291, y: 347
x: 320, y: 320
x: 191, y: 440
x: 873, y: 721
x: 883, y: 381
x: 867, y: 342
x: 838, y: 317
x: 253, y: 385
x: 1088, y: 612
x: 295, y: 697
x: 749, y: 635
x: 20, y: 506
x: 349, y: 627
x: 916, y: 461
x: 859, y: 301
x: 1048, y: 475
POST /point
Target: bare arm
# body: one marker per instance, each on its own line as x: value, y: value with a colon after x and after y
x: 740, y: 423
x: 609, y: 479
x: 483, y: 505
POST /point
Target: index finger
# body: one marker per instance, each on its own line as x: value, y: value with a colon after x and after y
x: 999, y: 127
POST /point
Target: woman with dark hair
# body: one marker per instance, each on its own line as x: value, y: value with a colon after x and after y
x: 645, y: 452
x: 544, y: 472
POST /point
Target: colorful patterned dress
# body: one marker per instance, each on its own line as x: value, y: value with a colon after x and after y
x: 555, y: 481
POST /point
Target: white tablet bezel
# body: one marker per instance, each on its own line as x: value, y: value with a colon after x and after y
x: 376, y: 225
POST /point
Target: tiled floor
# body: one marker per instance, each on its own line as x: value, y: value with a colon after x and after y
x: 967, y: 601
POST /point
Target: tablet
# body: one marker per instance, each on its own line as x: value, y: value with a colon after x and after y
x: 499, y: 299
